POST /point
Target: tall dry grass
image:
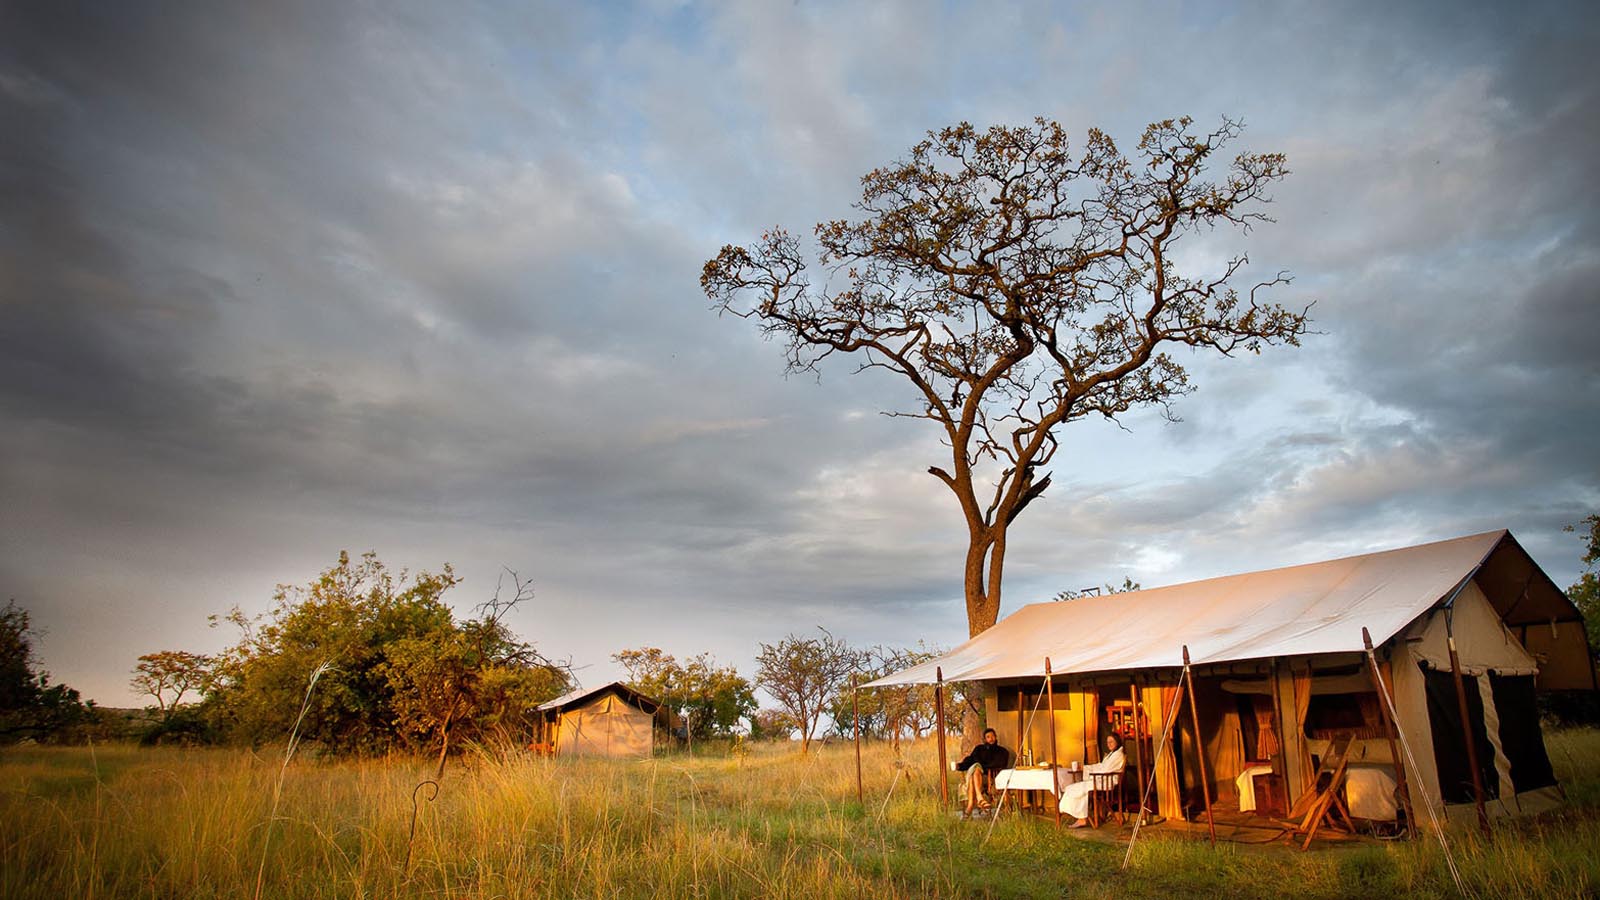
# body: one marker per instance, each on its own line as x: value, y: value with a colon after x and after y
x: 127, y: 822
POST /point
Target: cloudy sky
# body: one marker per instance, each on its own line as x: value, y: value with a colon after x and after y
x: 282, y: 279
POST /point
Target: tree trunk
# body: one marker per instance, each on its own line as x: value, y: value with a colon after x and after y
x: 985, y: 565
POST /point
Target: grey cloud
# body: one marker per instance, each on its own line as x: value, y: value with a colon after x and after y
x: 280, y: 279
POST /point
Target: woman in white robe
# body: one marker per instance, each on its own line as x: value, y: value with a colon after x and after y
x: 1075, y: 797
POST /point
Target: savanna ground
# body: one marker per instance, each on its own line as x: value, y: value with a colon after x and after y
x: 120, y: 821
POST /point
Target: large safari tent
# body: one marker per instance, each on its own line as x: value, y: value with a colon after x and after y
x: 612, y: 720
x: 1280, y: 669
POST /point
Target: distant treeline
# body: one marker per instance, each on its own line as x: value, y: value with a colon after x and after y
x: 366, y: 660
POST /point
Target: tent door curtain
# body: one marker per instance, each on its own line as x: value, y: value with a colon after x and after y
x: 1520, y: 737
x: 1449, y: 744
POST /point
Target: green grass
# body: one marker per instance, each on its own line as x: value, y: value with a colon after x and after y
x: 128, y: 822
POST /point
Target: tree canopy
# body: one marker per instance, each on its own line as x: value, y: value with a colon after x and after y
x: 711, y: 699
x: 30, y: 706
x: 404, y: 672
x: 1017, y: 284
x: 1585, y: 592
x: 804, y: 675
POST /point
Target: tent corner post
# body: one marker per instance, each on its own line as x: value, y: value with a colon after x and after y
x: 855, y: 712
x: 1466, y: 723
x: 938, y: 713
x: 1050, y: 692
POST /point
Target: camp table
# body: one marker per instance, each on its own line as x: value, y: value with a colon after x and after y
x: 1036, y: 778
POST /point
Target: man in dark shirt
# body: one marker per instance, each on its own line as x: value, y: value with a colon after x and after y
x: 985, y: 759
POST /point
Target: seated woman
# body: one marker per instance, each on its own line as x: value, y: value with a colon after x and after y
x: 1075, y: 798
x: 985, y: 759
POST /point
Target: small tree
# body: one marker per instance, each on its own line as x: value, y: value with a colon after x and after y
x: 1585, y: 592
x: 804, y: 675
x: 889, y: 712
x: 1017, y: 286
x: 712, y: 699
x: 771, y: 725
x: 169, y: 675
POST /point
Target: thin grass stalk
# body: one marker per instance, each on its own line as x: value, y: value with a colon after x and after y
x: 283, y: 771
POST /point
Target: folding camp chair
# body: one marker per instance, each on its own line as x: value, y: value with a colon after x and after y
x: 1318, y: 805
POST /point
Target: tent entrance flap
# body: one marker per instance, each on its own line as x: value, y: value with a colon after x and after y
x: 1449, y: 742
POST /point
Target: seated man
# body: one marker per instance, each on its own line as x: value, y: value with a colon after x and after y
x: 985, y: 759
x: 1075, y: 797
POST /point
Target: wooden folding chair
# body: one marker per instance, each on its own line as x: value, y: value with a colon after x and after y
x: 1319, y: 804
x: 1105, y: 798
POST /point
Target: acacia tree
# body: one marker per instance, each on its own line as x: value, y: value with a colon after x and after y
x: 804, y: 675
x: 1018, y: 286
x: 168, y: 675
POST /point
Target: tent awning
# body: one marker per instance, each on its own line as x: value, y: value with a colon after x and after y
x: 1300, y: 610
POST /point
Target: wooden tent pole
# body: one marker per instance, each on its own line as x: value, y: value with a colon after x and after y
x: 1199, y: 747
x: 938, y: 715
x: 1083, y: 719
x: 1022, y: 704
x: 1466, y: 724
x: 1384, y: 698
x: 1138, y: 759
x: 1050, y: 703
x: 855, y: 711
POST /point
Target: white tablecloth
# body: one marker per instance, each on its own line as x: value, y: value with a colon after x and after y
x: 1035, y: 779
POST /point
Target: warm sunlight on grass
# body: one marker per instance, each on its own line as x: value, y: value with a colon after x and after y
x: 126, y: 822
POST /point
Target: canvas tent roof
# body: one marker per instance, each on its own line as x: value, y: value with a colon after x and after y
x: 1299, y: 610
x: 648, y: 704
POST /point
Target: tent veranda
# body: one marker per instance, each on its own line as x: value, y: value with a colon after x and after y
x: 1281, y: 652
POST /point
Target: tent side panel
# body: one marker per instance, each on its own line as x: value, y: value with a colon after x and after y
x: 1411, y: 706
x: 1295, y: 753
x: 1565, y: 659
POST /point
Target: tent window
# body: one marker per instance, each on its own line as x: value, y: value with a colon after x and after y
x: 1520, y: 736
x: 1354, y: 714
x: 1449, y: 747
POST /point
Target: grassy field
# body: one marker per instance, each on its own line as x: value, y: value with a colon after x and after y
x: 127, y: 822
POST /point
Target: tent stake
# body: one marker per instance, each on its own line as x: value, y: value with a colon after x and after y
x: 1388, y: 731
x: 1050, y: 692
x: 1466, y: 723
x: 855, y: 711
x: 938, y: 714
x: 1199, y: 747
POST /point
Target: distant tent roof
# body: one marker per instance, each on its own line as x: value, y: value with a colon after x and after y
x: 648, y: 704
x: 1307, y: 609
